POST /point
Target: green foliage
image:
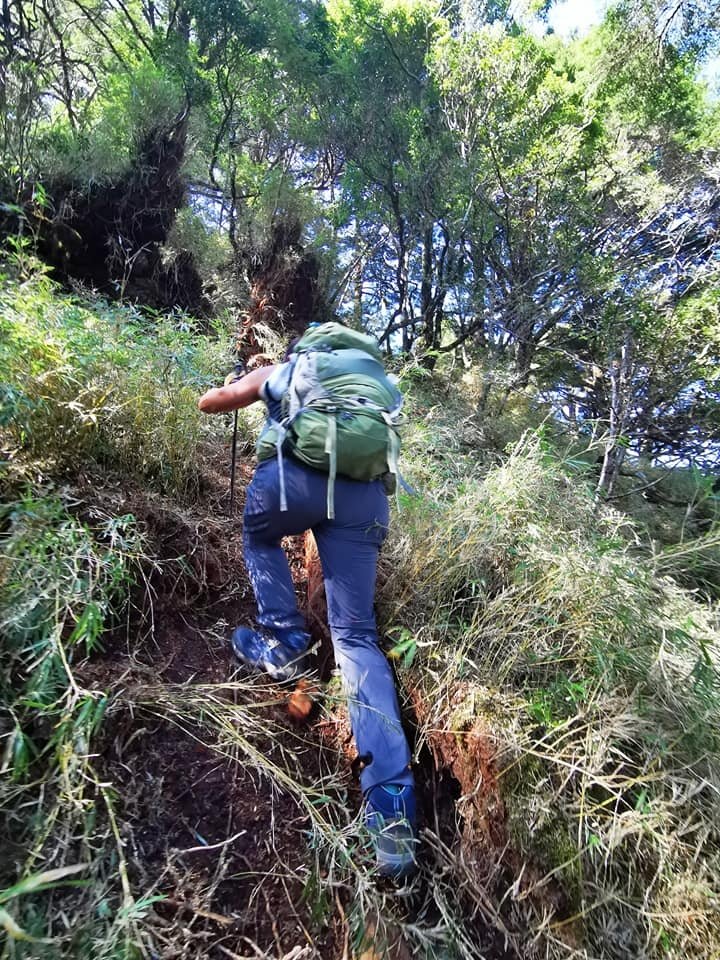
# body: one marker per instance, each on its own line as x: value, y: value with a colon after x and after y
x: 211, y: 252
x: 526, y: 211
x: 63, y: 585
x: 462, y: 178
x: 104, y: 385
x: 49, y: 555
x: 84, y: 387
x: 631, y: 86
x: 129, y: 106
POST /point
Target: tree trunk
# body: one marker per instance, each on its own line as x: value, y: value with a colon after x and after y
x: 402, y: 272
x: 426, y: 297
x: 620, y: 391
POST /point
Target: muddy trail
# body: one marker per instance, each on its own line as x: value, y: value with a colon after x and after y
x: 224, y: 856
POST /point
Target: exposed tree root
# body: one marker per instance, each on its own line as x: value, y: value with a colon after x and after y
x: 110, y: 234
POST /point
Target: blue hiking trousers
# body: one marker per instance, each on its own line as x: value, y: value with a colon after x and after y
x: 348, y: 546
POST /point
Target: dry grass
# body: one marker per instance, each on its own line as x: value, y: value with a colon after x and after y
x: 532, y: 619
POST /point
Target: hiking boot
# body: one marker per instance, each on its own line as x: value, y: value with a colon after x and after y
x: 279, y: 653
x: 390, y: 820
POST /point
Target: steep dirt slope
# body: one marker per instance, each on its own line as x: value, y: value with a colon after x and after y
x: 227, y: 853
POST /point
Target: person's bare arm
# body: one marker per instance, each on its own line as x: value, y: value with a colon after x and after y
x: 241, y: 393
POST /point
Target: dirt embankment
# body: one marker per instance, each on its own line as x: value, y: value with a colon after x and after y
x: 201, y: 827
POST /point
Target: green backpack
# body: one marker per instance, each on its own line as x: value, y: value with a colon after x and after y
x: 339, y: 410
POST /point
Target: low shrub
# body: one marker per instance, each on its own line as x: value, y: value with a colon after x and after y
x: 104, y: 384
x: 63, y: 584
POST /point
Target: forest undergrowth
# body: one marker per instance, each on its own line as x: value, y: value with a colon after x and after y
x: 557, y: 660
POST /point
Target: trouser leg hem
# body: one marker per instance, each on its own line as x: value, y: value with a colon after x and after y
x: 370, y: 779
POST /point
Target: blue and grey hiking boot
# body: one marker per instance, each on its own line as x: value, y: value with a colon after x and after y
x: 279, y: 653
x: 390, y: 820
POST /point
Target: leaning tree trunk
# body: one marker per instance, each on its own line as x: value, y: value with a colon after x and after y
x: 620, y: 395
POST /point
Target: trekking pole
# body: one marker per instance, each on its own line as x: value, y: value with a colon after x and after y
x: 238, y: 372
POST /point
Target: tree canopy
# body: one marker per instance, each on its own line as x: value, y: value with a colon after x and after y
x: 453, y: 178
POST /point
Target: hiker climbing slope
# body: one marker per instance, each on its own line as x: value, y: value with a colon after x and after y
x: 326, y: 456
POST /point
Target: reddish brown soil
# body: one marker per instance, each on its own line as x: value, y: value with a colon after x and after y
x: 473, y: 757
x: 181, y: 798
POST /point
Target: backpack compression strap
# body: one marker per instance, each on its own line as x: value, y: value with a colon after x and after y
x: 280, y: 434
x: 331, y: 451
x: 393, y: 453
